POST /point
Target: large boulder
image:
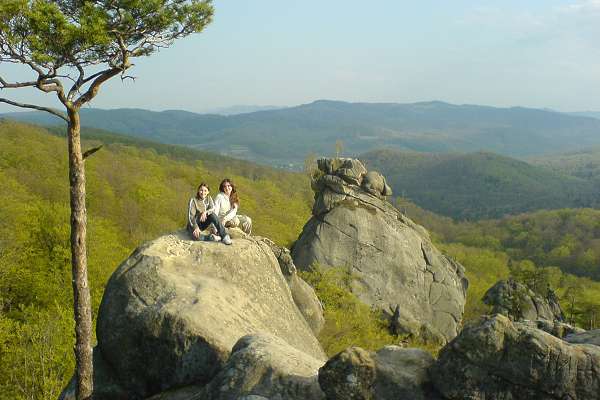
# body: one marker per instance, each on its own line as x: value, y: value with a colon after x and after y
x: 303, y: 294
x: 516, y: 301
x: 172, y: 312
x: 392, y: 258
x: 265, y: 365
x: 497, y: 359
x: 388, y: 374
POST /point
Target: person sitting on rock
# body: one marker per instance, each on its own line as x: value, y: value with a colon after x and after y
x: 201, y: 214
x: 227, y: 204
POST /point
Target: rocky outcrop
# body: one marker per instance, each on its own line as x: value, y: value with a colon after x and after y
x: 265, y: 365
x: 497, y: 359
x: 392, y: 258
x: 172, y: 312
x: 518, y: 302
x: 555, y: 328
x: 388, y: 374
x: 303, y: 294
x: 585, y: 337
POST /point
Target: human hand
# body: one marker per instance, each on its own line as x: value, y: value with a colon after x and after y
x: 203, y: 217
x: 196, y: 233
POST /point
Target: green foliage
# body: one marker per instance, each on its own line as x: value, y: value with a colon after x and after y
x: 537, y: 249
x: 483, y: 269
x: 479, y: 185
x: 65, y: 32
x: 348, y: 321
x: 565, y: 238
x: 36, y: 353
x: 134, y: 194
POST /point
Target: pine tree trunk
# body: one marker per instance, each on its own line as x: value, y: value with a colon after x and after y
x: 81, y: 292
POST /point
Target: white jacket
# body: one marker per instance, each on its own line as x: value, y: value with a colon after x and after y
x: 223, y: 209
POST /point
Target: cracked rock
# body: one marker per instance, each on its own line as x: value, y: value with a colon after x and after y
x: 393, y: 258
x: 169, y: 318
x: 497, y: 359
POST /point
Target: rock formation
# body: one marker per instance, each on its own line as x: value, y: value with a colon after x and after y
x: 518, y: 302
x: 589, y: 337
x: 392, y: 258
x: 497, y: 359
x: 265, y: 365
x: 303, y: 294
x: 388, y: 374
x: 172, y: 312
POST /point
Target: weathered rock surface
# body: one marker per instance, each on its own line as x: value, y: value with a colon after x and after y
x: 497, y: 359
x: 393, y: 258
x: 303, y: 294
x: 265, y: 365
x: 518, y: 302
x: 388, y: 374
x: 555, y: 328
x: 173, y: 310
x: 585, y: 337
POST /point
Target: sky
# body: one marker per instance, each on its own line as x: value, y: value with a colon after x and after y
x: 538, y: 53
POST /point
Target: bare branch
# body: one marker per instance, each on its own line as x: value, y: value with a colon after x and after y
x: 95, y: 86
x: 91, y: 151
x: 6, y: 85
x: 133, y: 78
x: 35, y: 107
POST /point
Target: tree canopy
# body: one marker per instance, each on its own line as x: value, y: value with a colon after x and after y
x: 60, y: 39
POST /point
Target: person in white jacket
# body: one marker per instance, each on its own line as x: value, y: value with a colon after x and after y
x: 226, y: 208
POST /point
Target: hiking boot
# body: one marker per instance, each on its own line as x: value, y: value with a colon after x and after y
x: 226, y: 239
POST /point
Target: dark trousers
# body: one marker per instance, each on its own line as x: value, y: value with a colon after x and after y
x: 212, y: 219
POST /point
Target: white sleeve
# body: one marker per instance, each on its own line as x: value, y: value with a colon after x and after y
x: 217, y: 205
x: 232, y: 213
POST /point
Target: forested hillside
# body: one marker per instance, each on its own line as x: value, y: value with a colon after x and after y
x: 479, y: 185
x: 584, y: 164
x: 134, y: 194
x: 286, y: 136
x: 138, y: 190
x: 560, y: 247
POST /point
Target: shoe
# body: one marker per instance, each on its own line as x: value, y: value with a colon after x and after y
x: 226, y: 239
x: 215, y: 238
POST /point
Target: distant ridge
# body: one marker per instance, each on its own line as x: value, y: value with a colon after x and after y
x: 591, y: 114
x: 240, y: 109
x: 479, y: 185
x: 285, y: 136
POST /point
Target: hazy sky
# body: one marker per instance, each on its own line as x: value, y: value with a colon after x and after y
x: 542, y: 53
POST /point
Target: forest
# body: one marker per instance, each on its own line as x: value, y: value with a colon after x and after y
x: 138, y: 190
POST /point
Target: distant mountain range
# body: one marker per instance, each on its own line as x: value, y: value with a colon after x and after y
x: 285, y: 136
x: 591, y: 114
x: 240, y: 109
x: 480, y: 185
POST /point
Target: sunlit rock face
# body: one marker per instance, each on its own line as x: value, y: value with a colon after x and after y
x: 392, y: 258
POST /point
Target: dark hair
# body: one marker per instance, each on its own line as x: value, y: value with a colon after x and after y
x: 198, y: 190
x: 233, y: 197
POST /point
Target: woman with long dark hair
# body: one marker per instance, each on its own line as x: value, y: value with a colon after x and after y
x: 227, y: 204
x: 201, y: 214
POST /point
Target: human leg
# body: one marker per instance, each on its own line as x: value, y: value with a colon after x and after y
x: 245, y: 222
x: 212, y: 219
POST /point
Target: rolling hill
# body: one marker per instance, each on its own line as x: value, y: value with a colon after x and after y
x: 479, y: 185
x: 284, y: 137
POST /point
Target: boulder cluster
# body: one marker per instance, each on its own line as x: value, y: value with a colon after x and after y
x: 188, y: 320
